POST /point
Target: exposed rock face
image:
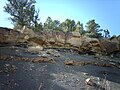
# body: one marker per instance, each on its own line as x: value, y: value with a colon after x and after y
x: 119, y: 39
x: 53, y: 38
x: 26, y: 34
x: 90, y: 45
x: 37, y: 40
x: 74, y: 39
x: 1, y: 38
x: 116, y: 40
x: 56, y: 38
x: 110, y: 47
x: 93, y: 45
x: 29, y: 32
x: 8, y: 35
x: 84, y: 43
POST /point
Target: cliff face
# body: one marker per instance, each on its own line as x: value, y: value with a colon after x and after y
x: 8, y: 35
x: 59, y: 39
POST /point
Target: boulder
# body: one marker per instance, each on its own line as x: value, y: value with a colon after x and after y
x: 35, y: 49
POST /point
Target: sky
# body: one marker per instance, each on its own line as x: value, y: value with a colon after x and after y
x: 105, y: 12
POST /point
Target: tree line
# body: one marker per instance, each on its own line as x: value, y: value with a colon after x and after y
x: 23, y: 13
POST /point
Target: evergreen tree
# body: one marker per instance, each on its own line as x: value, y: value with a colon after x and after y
x: 48, y: 23
x: 93, y: 29
x: 22, y: 12
x: 56, y: 24
x: 80, y: 28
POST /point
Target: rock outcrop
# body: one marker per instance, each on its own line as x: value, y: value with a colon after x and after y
x: 8, y: 36
x: 110, y: 47
x: 116, y: 39
x: 90, y: 45
x: 26, y: 34
x: 93, y: 45
x: 56, y: 38
x: 74, y: 39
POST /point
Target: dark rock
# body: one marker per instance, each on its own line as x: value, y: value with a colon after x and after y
x: 104, y: 72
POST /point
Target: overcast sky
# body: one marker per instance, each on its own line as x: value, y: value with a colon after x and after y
x: 105, y: 12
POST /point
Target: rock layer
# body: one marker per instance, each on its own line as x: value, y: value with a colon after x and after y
x: 58, y: 39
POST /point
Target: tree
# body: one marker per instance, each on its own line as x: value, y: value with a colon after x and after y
x: 62, y: 26
x: 22, y: 12
x: 67, y: 25
x: 106, y: 33
x: 38, y: 27
x: 73, y: 25
x: 82, y: 31
x: 80, y: 28
x: 56, y: 24
x: 48, y: 23
x: 93, y: 29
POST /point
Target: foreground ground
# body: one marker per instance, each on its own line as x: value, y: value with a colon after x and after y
x: 55, y: 75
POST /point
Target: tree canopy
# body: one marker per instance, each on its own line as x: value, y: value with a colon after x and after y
x: 93, y: 29
x: 22, y: 12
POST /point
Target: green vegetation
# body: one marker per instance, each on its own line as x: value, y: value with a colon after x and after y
x: 80, y: 28
x: 23, y: 13
x: 93, y: 29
